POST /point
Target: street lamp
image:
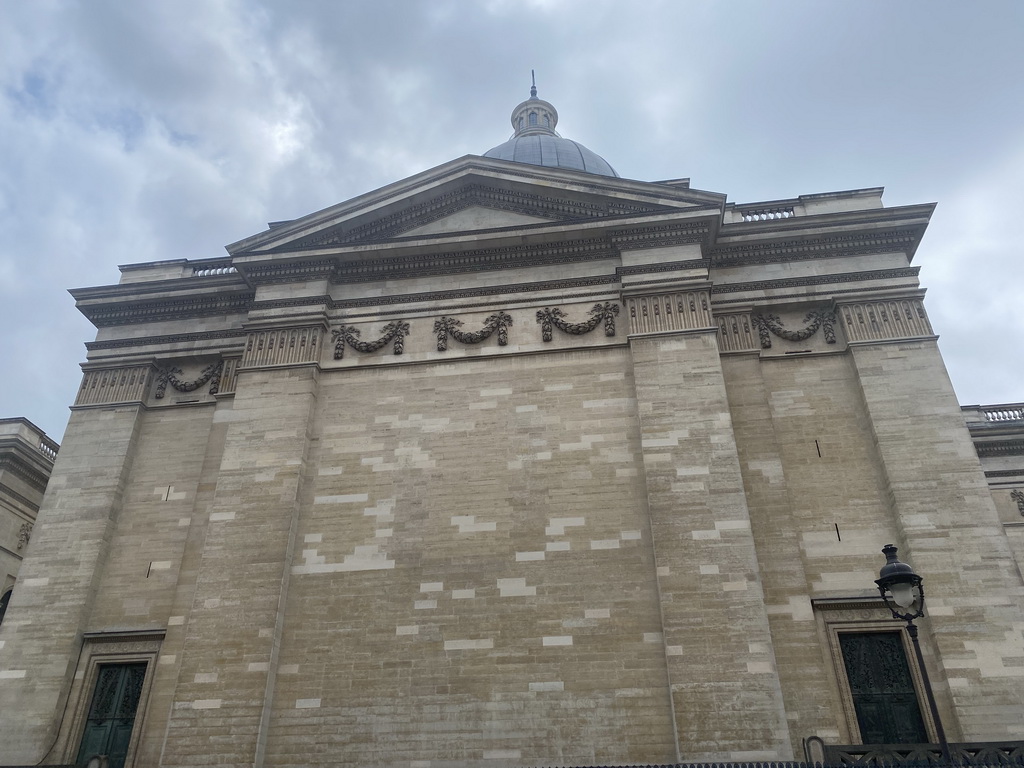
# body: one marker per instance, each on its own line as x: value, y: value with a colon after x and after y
x: 903, y: 594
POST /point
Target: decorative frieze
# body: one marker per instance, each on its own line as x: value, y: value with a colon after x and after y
x: 449, y: 326
x: 770, y: 325
x: 210, y: 373
x: 229, y: 375
x: 115, y: 385
x: 737, y: 333
x: 477, y: 260
x: 395, y: 331
x: 883, y: 320
x: 287, y: 346
x: 661, y: 236
x: 553, y: 317
x: 681, y: 311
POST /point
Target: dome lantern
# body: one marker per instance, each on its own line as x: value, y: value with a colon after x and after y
x: 535, y: 141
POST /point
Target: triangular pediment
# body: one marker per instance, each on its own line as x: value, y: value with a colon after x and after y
x: 472, y: 195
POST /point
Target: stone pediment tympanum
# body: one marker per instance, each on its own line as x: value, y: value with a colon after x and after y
x: 473, y: 194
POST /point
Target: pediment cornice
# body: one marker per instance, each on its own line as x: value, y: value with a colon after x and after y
x: 549, y: 194
x: 550, y: 207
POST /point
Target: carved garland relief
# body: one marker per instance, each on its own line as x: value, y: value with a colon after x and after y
x: 449, y: 326
x: 210, y: 373
x: 1018, y: 497
x: 349, y: 334
x: 497, y: 324
x: 768, y: 325
x: 553, y: 317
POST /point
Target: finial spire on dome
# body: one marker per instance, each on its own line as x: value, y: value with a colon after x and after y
x: 533, y: 88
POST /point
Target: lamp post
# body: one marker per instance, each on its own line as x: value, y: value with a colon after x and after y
x: 903, y: 594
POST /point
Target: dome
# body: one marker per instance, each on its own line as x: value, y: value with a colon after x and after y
x: 535, y: 141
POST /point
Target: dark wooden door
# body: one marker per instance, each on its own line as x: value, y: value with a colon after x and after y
x: 883, y: 690
x: 112, y: 713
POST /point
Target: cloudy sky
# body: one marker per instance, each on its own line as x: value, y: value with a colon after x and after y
x: 164, y: 129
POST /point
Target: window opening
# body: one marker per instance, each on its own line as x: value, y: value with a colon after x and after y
x: 115, y: 701
x: 533, y: 118
x: 3, y: 604
x: 883, y: 692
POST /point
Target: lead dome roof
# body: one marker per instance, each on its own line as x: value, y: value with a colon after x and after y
x: 536, y: 142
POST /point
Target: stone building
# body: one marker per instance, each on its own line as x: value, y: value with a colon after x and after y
x: 26, y: 459
x: 516, y: 462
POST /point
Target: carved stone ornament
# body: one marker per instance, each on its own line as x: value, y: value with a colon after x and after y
x: 815, y: 319
x: 210, y: 373
x: 24, y: 534
x: 552, y: 317
x: 449, y: 326
x: 349, y: 334
x: 1018, y: 496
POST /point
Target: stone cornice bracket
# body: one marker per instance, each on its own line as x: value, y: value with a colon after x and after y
x: 769, y: 325
x: 552, y: 317
x: 449, y: 326
x: 868, y: 321
x: 670, y: 312
x: 127, y: 384
x: 169, y: 375
x: 282, y: 347
x: 395, y: 331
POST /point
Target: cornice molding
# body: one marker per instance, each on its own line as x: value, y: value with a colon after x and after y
x: 436, y: 296
x: 18, y: 466
x: 176, y: 308
x: 850, y: 244
x: 666, y: 266
x: 795, y: 282
x: 174, y: 338
x: 1000, y: 448
x: 33, y: 506
x: 1005, y: 473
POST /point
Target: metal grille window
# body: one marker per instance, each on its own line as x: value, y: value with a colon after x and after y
x: 882, y: 688
x: 108, y: 729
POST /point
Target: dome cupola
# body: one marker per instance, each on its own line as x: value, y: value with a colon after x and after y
x: 535, y: 141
